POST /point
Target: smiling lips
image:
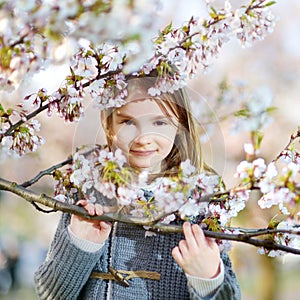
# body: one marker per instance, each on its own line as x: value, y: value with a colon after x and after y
x: 142, y: 152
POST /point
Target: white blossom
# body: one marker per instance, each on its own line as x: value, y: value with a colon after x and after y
x: 266, y: 184
x: 187, y: 168
x: 61, y: 198
x: 249, y: 149
x: 125, y: 196
x: 190, y: 208
x: 276, y: 197
x: 107, y: 189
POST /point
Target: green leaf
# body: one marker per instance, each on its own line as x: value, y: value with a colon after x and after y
x: 213, y: 13
x: 72, y: 72
x: 258, y: 137
x: 187, y: 44
x: 270, y: 3
x: 5, y: 56
x: 167, y: 29
x: 271, y: 109
x: 23, y: 129
x: 9, y: 111
x: 204, y: 38
x: 273, y: 223
x: 2, y: 110
x: 242, y: 113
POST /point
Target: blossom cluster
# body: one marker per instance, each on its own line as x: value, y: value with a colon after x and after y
x: 279, y: 185
x: 254, y: 114
x: 105, y: 40
x: 276, y: 187
x: 29, y: 44
x: 108, y: 173
x: 198, y: 198
x: 286, y: 239
x: 34, y: 34
x: 23, y: 138
x: 188, y: 196
x: 198, y: 42
x: 254, y: 25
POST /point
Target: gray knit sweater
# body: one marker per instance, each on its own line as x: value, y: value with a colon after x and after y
x: 66, y: 270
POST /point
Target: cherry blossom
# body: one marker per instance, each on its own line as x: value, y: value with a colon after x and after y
x: 24, y: 139
x: 98, y: 65
x: 255, y: 113
x: 288, y: 156
x: 248, y: 171
x: 104, y: 41
x: 285, y: 239
x: 266, y: 183
x: 187, y: 168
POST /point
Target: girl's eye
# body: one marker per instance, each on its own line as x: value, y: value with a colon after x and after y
x: 160, y: 123
x: 127, y: 122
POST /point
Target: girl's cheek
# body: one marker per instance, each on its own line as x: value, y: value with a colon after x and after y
x: 123, y: 140
x: 125, y: 136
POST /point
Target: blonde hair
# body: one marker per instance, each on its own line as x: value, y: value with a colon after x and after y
x: 187, y: 143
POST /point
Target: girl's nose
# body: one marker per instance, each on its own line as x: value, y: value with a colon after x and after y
x: 143, y: 139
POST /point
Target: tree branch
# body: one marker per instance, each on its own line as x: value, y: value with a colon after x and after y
x: 152, y: 223
x: 11, y: 129
x: 293, y: 137
x: 33, y: 197
x: 240, y: 237
x: 50, y: 170
x: 46, y: 172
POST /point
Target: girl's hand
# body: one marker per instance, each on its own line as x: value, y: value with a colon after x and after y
x: 197, y: 255
x: 92, y: 230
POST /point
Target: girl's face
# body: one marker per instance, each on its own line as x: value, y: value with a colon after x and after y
x: 143, y: 133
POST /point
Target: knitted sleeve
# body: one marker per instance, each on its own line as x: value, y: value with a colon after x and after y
x: 66, y: 268
x: 206, y: 286
x: 229, y: 289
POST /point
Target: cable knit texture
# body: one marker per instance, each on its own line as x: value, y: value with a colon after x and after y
x: 67, y: 268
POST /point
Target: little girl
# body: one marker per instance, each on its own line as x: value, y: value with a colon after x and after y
x: 91, y: 259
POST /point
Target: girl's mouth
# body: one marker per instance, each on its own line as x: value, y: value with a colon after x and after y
x: 142, y: 152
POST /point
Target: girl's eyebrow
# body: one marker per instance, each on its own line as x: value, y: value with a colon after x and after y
x: 154, y: 118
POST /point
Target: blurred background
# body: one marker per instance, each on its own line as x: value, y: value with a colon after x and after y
x: 25, y: 233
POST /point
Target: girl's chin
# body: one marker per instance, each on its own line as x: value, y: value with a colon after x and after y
x: 146, y: 167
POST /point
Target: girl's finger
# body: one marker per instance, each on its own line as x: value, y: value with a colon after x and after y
x: 189, y: 235
x: 81, y: 202
x: 98, y: 209
x: 106, y: 226
x: 199, y: 235
x: 109, y: 209
x: 177, y: 255
x: 211, y: 242
x: 90, y: 207
x: 183, y: 248
x: 202, y: 239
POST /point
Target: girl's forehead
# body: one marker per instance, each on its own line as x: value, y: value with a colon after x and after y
x: 140, y: 106
x: 136, y: 92
x: 139, y: 98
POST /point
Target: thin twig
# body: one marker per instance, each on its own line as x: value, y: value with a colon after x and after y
x: 51, y: 169
x: 263, y: 231
x: 45, y: 172
x: 28, y: 117
x: 293, y: 137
